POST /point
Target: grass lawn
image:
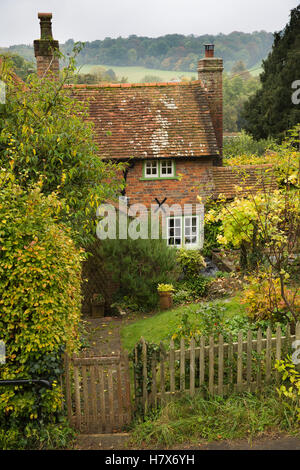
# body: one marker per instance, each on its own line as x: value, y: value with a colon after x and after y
x: 159, y: 327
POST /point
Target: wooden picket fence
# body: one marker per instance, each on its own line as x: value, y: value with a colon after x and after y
x: 97, y: 392
x: 210, y: 366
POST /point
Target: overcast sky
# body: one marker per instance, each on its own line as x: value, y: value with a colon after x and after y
x: 87, y: 20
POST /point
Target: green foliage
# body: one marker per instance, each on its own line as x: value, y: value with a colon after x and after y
x: 212, y: 319
x: 40, y: 272
x: 211, y: 230
x: 191, y: 289
x: 22, y: 67
x: 263, y: 298
x: 191, y: 419
x: 169, y: 52
x: 151, y: 79
x: 44, y: 137
x: 38, y: 437
x: 236, y: 90
x: 136, y: 356
x: 96, y: 75
x: 138, y: 266
x: 165, y: 288
x: 270, y: 112
x: 245, y: 144
x: 190, y: 261
x: 289, y: 389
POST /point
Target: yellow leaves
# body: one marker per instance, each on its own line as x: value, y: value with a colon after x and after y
x: 222, y: 239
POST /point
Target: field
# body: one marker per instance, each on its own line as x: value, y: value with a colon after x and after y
x: 136, y: 74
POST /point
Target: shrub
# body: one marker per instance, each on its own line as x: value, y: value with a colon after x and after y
x: 263, y: 298
x: 138, y: 266
x: 36, y: 436
x: 190, y: 261
x: 289, y: 390
x: 244, y: 144
x: 190, y: 289
x: 40, y: 272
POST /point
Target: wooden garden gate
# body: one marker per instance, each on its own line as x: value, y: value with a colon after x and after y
x: 97, y: 391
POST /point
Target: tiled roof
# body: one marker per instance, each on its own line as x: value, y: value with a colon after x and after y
x: 154, y: 120
x: 230, y: 181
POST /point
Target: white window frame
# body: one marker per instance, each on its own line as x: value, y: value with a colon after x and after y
x: 183, y: 227
x: 153, y: 164
x: 167, y: 175
x: 197, y: 235
x: 174, y: 236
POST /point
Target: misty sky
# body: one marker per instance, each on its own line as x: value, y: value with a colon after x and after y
x: 87, y: 20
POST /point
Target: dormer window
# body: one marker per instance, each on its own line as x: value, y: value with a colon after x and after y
x: 159, y: 169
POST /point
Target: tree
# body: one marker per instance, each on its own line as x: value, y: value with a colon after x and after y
x: 270, y: 112
x: 40, y: 278
x: 44, y: 137
x: 237, y: 88
x: 138, y: 266
x: 19, y: 65
x: 265, y: 226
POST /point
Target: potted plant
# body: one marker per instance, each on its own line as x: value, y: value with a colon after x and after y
x: 97, y: 303
x: 165, y: 292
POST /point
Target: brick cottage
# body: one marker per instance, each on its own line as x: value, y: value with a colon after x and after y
x: 171, y: 135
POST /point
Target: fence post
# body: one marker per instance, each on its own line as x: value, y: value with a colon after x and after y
x: 68, y: 387
x: 162, y: 373
x: 202, y: 362
x: 144, y: 362
x: 220, y: 365
x: 182, y: 365
x: 249, y: 359
x: 268, y: 355
x: 240, y: 362
x: 192, y: 367
x: 211, y: 366
x: 127, y: 384
x: 258, y: 350
x: 172, y: 367
x: 77, y: 394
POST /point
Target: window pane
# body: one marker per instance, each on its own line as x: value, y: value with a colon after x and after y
x: 151, y: 168
x: 190, y: 230
x: 174, y: 231
x: 166, y: 168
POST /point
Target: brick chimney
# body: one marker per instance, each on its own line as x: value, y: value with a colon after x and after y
x: 46, y: 49
x: 210, y: 71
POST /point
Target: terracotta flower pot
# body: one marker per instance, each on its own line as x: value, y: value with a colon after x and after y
x: 98, y: 309
x: 165, y: 300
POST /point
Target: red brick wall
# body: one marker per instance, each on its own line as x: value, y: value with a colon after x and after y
x: 183, y: 191
x: 210, y: 73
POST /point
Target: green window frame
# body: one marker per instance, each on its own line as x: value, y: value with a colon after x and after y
x: 159, y: 170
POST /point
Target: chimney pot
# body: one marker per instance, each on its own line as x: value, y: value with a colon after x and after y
x: 45, y: 24
x: 44, y: 15
x: 46, y: 49
x: 209, y: 50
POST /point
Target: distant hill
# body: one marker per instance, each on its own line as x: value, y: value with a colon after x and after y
x: 169, y: 52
